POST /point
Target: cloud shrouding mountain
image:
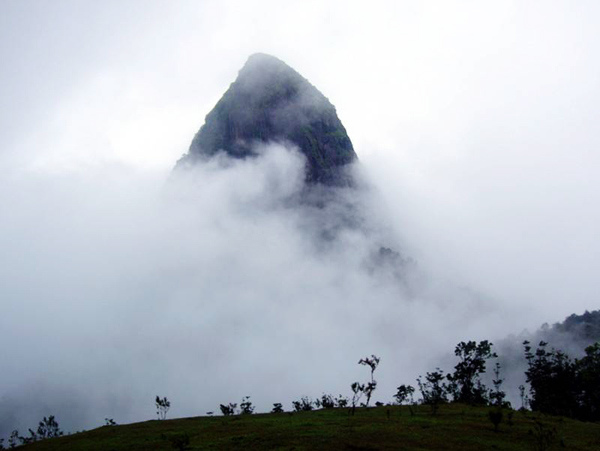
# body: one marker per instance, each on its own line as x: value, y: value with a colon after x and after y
x: 476, y: 123
x: 217, y: 285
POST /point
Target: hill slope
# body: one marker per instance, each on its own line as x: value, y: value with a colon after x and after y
x: 382, y: 428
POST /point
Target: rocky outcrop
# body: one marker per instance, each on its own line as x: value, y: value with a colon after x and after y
x: 270, y: 101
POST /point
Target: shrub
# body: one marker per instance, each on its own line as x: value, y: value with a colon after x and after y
x: 303, y: 405
x: 405, y: 393
x: 497, y: 395
x: 246, y: 406
x: 357, y: 392
x: 13, y: 439
x: 326, y: 401
x: 228, y: 409
x: 341, y: 401
x: 162, y: 407
x: 48, y: 428
x: 524, y: 398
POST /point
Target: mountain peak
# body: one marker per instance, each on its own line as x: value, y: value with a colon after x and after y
x: 270, y: 101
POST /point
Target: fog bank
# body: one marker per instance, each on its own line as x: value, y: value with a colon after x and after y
x: 205, y: 287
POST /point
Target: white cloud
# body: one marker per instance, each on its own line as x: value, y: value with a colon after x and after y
x: 475, y: 123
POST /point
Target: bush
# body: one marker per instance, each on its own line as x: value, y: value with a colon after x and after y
x: 341, y: 401
x: 497, y: 395
x: 162, y: 407
x: 305, y: 404
x: 404, y: 393
x: 326, y: 402
x: 357, y: 392
x: 228, y: 409
x: 246, y: 406
x: 48, y: 428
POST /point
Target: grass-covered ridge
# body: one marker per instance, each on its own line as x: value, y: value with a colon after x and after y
x: 455, y: 426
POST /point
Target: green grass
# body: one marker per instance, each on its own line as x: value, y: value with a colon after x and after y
x: 455, y: 427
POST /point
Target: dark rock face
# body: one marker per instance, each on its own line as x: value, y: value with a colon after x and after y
x: 270, y: 101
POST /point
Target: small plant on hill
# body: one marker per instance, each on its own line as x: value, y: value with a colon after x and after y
x: 370, y: 386
x: 357, y: 392
x: 228, y: 409
x: 246, y: 406
x: 405, y: 393
x: 497, y: 395
x: 13, y: 440
x: 277, y: 408
x: 326, y: 402
x: 48, y: 428
x: 341, y: 401
x: 524, y: 398
x: 27, y: 440
x: 303, y: 405
x: 162, y: 407
x: 433, y: 390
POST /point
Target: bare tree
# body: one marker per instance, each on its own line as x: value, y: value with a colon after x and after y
x: 162, y: 407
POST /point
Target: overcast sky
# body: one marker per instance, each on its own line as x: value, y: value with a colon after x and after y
x: 476, y: 121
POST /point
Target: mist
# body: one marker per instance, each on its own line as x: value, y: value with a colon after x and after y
x: 119, y: 281
x: 205, y: 287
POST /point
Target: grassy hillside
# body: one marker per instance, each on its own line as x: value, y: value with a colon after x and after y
x: 456, y: 427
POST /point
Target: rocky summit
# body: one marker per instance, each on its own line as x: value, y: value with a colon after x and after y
x: 271, y: 102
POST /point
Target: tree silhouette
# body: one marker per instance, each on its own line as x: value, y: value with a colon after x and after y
x: 162, y: 407
x: 433, y: 389
x: 588, y: 369
x: 370, y: 386
x: 357, y: 392
x: 552, y: 378
x: 497, y: 395
x: 465, y: 384
x: 246, y: 406
x: 228, y: 409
